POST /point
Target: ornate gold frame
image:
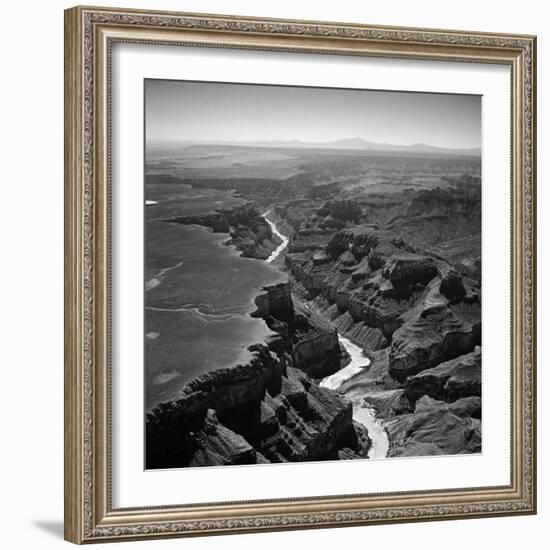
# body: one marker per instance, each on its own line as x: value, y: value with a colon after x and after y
x: 89, y: 34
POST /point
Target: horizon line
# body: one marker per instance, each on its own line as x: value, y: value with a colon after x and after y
x: 308, y: 142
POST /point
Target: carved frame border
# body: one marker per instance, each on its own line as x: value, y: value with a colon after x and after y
x: 89, y: 35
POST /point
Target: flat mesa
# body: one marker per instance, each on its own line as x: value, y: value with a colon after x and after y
x: 199, y: 287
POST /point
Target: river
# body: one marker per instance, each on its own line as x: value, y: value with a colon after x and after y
x: 284, y: 239
x: 363, y: 414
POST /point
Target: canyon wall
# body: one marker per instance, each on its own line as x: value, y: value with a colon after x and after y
x: 268, y: 410
x: 402, y: 280
x: 249, y: 232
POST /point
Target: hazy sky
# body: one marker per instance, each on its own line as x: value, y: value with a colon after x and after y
x: 201, y: 111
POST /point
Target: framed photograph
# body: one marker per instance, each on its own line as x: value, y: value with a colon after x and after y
x: 300, y: 274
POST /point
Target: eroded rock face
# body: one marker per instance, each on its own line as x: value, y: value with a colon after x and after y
x: 406, y: 270
x: 434, y: 428
x: 418, y: 316
x: 293, y: 420
x: 344, y: 210
x: 371, y: 380
x: 314, y: 423
x: 170, y: 426
x: 367, y: 337
x: 388, y: 403
x: 315, y: 348
x: 448, y: 381
x: 360, y: 240
x: 317, y: 353
x: 320, y: 258
x: 467, y: 406
x: 452, y: 284
x: 248, y: 230
x: 434, y: 336
x: 275, y: 301
x: 219, y: 446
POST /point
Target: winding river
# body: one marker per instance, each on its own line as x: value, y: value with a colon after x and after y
x: 363, y: 414
x: 284, y: 240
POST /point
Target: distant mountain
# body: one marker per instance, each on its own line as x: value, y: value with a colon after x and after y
x: 363, y: 144
x: 360, y: 143
x: 354, y: 143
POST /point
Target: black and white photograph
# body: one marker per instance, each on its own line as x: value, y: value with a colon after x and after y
x: 312, y: 274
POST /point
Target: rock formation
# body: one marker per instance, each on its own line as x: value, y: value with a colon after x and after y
x: 402, y: 280
x: 396, y: 272
x: 449, y: 381
x: 435, y: 428
x: 268, y: 410
x: 249, y: 232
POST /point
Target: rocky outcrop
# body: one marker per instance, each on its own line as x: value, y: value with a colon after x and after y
x: 371, y: 380
x: 388, y: 403
x: 275, y: 302
x: 405, y: 271
x: 460, y: 201
x: 315, y: 345
x: 344, y: 210
x: 323, y: 191
x: 170, y: 427
x: 449, y: 381
x: 313, y: 423
x: 434, y: 335
x: 435, y: 428
x: 217, y: 445
x: 452, y: 284
x: 447, y: 218
x: 277, y: 415
x: 372, y: 276
x: 359, y: 240
x: 403, y: 281
x: 308, y: 240
x: 307, y: 337
x: 310, y: 347
x: 367, y: 337
x: 466, y: 406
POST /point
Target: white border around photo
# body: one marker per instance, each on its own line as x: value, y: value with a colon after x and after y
x: 132, y: 485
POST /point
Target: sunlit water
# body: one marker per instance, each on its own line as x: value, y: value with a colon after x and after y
x: 361, y: 413
x: 284, y: 240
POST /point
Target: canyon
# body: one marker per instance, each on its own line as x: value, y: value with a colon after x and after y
x: 375, y: 335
